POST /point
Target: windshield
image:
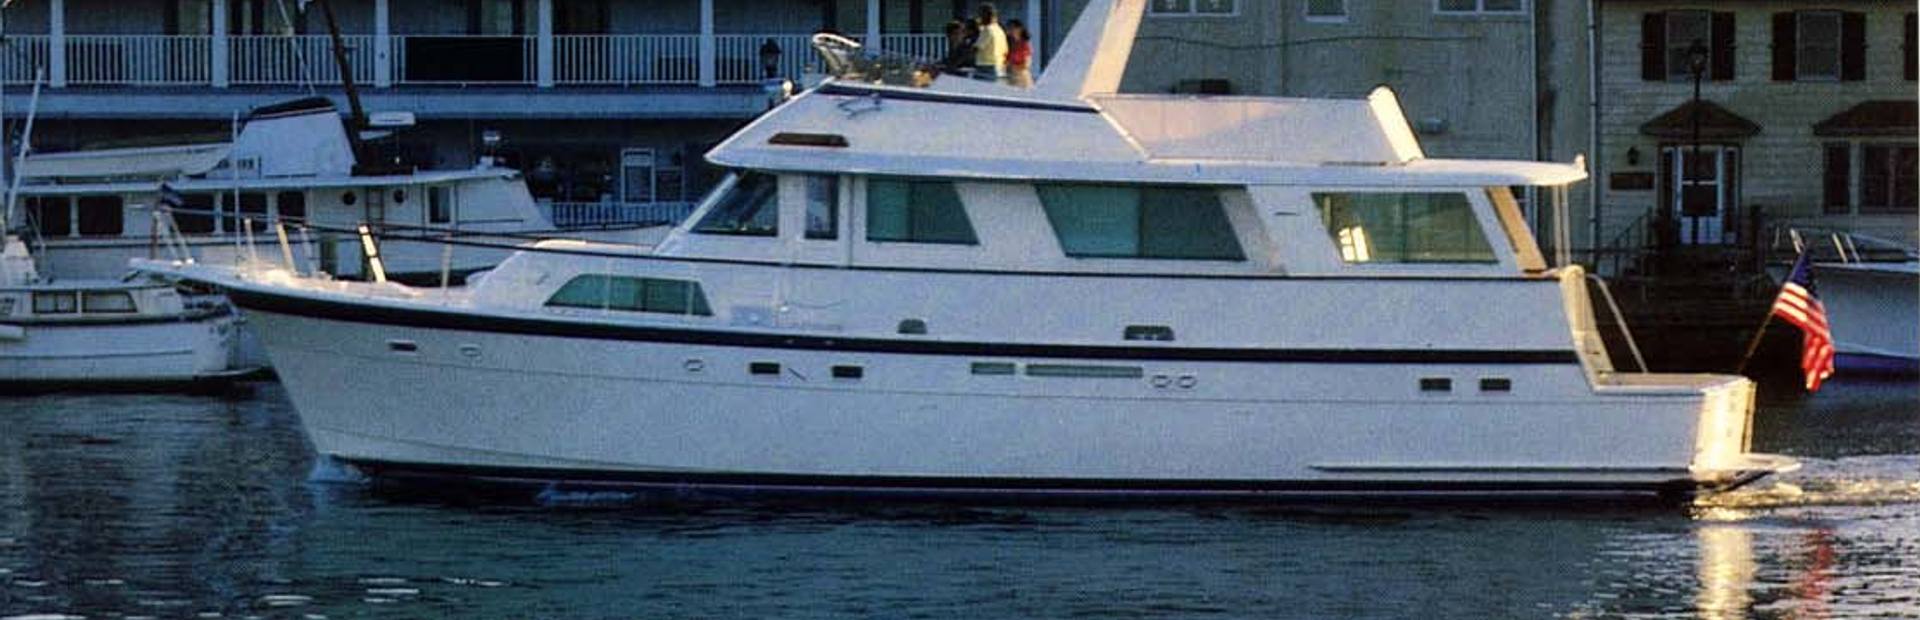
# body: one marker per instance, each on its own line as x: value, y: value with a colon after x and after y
x: 749, y: 207
x: 845, y: 59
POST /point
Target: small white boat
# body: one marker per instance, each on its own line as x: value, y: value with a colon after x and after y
x: 917, y: 286
x: 1871, y: 290
x: 137, y: 332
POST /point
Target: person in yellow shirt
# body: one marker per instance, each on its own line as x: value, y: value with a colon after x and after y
x: 990, y: 50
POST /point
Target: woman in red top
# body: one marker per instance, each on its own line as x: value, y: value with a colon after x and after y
x: 1019, y: 54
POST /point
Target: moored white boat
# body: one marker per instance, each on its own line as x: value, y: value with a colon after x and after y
x: 1161, y: 297
x: 1871, y: 290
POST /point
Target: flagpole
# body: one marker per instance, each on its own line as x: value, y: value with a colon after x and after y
x: 1753, y: 345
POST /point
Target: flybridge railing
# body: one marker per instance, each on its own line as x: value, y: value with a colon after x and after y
x: 299, y: 59
x: 419, y: 59
x: 138, y: 59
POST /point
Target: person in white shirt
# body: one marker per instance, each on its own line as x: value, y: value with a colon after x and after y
x: 990, y: 50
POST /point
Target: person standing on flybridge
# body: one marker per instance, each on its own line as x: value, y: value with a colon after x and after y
x: 990, y: 51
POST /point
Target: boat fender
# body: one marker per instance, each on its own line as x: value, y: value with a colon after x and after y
x: 12, y: 333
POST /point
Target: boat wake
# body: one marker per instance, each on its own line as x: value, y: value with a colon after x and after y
x: 329, y: 471
x: 1851, y: 481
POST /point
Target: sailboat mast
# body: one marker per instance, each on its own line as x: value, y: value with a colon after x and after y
x: 357, y: 119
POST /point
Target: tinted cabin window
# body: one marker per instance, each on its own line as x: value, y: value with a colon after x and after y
x: 101, y: 216
x: 51, y: 215
x: 658, y: 295
x: 195, y: 214
x: 292, y: 205
x: 1111, y: 221
x: 1404, y: 228
x: 117, y: 302
x: 61, y: 302
x: 750, y: 208
x: 253, y: 206
x: 917, y: 212
x: 439, y: 205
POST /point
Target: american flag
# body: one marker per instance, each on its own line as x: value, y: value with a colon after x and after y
x: 1798, y: 305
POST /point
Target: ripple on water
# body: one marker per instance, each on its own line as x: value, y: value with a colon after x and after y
x: 1851, y: 481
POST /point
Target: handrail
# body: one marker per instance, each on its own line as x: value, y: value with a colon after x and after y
x: 1620, y: 318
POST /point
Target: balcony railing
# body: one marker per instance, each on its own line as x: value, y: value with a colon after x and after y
x: 139, y: 59
x: 602, y: 214
x: 21, y: 56
x: 288, y: 60
x: 298, y: 59
x: 626, y: 59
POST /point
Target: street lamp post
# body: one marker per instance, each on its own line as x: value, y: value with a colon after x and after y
x: 1696, y: 65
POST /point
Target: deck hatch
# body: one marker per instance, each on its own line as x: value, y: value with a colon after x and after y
x: 1496, y: 384
x: 849, y: 372
x: 764, y: 368
x: 827, y: 140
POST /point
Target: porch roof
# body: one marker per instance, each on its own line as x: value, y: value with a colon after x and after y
x: 1872, y: 118
x: 1716, y: 123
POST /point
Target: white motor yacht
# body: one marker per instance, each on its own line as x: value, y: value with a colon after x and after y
x: 916, y: 285
x: 1871, y: 289
x: 289, y: 162
x: 136, y: 332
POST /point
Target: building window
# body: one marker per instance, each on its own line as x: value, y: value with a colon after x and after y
x: 1190, y: 8
x: 1887, y: 174
x: 1326, y: 10
x: 750, y: 208
x: 1819, y: 46
x: 1667, y: 39
x: 1404, y: 228
x: 823, y: 207
x: 1836, y: 179
x: 656, y: 295
x: 917, y: 212
x: 1111, y: 221
x: 107, y: 302
x: 1479, y: 7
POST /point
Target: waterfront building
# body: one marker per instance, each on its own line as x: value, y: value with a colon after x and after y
x: 1805, y: 115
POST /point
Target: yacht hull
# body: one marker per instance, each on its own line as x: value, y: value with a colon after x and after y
x: 413, y: 394
x: 136, y: 353
x: 1874, y: 311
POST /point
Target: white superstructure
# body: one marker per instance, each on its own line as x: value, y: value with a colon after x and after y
x: 963, y: 288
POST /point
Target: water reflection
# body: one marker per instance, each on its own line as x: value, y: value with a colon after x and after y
x: 1726, y: 571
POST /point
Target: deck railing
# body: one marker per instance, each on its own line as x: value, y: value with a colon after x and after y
x: 626, y: 59
x: 419, y: 59
x: 298, y: 59
x: 139, y: 59
x: 600, y: 214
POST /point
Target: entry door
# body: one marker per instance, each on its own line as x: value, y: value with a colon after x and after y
x: 1703, y: 191
x: 636, y: 176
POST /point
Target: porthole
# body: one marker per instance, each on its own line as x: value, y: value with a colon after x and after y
x: 399, y: 196
x: 348, y: 198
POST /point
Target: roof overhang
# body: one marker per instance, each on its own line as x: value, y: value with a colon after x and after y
x: 1713, y: 123
x: 1890, y: 119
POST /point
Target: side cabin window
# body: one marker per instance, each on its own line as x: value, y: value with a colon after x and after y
x: 107, y: 302
x: 195, y: 215
x: 657, y: 295
x: 56, y: 302
x: 52, y: 216
x: 1382, y: 227
x: 917, y: 211
x: 823, y: 207
x: 750, y: 208
x: 102, y: 216
x: 1159, y: 222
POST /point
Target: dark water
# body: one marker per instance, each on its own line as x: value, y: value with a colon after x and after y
x: 183, y: 506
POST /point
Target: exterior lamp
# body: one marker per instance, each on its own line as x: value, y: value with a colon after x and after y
x: 770, y: 59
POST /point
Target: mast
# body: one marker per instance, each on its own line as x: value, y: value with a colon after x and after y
x: 357, y: 115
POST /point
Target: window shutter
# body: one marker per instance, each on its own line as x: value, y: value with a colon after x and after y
x: 1722, y: 66
x: 1783, y: 46
x: 1839, y: 159
x: 1853, y: 46
x: 1653, y: 47
x: 1909, y: 48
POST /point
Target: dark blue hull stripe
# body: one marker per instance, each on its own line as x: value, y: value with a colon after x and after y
x: 781, y: 485
x: 533, y: 326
